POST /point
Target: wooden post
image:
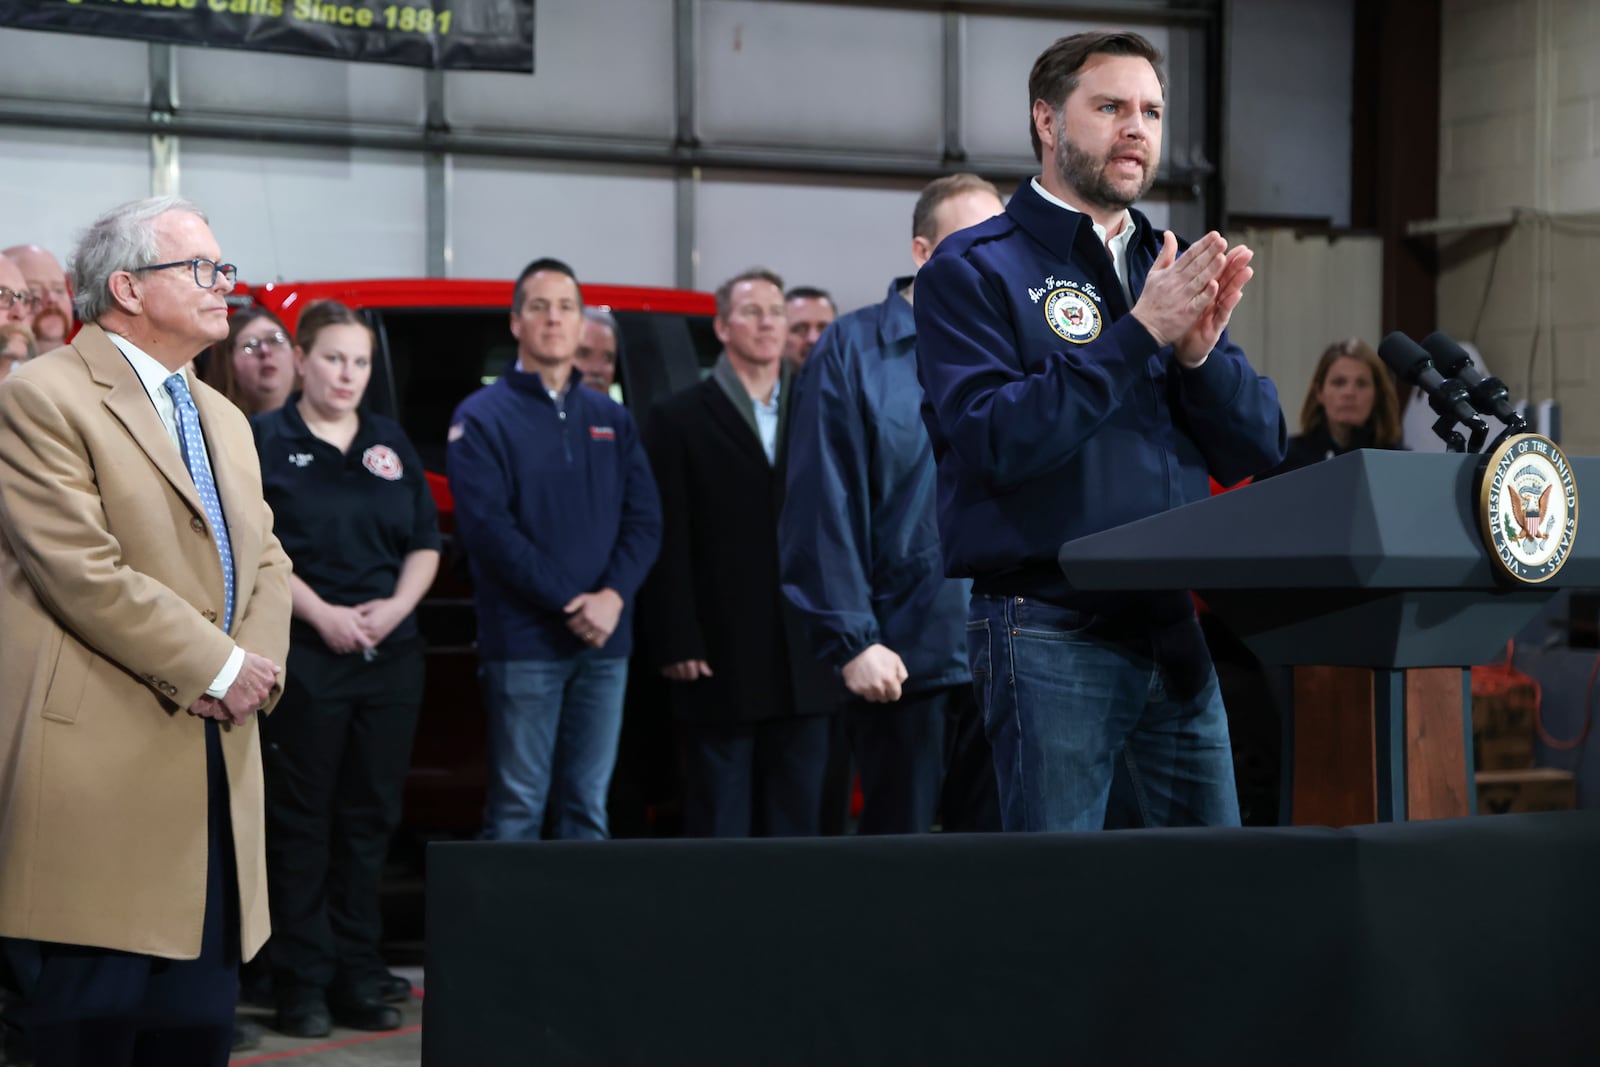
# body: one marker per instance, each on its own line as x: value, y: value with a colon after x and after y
x: 1346, y: 769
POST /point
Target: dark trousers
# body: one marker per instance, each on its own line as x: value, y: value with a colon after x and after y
x: 755, y: 779
x: 92, y: 1007
x: 899, y: 749
x: 336, y: 750
x: 969, y: 801
x: 837, y: 779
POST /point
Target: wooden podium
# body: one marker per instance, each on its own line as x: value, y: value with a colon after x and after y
x: 1368, y: 574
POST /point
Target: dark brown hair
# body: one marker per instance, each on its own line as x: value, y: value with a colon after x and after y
x: 937, y: 192
x: 1055, y: 72
x: 754, y: 274
x: 1384, y: 422
x: 319, y: 316
x: 541, y: 264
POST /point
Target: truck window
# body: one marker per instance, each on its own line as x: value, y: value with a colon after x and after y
x: 437, y: 356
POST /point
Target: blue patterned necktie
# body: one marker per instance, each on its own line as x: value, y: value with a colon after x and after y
x: 194, y: 456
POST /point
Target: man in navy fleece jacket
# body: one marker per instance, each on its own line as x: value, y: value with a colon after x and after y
x: 559, y: 514
x: 1078, y: 376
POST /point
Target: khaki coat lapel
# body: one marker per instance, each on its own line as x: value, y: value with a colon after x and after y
x: 130, y: 405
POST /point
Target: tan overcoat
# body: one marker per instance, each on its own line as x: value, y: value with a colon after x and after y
x: 111, y: 592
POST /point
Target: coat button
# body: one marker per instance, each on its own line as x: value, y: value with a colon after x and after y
x: 197, y: 525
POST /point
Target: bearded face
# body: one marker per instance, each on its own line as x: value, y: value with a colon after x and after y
x: 1114, y: 178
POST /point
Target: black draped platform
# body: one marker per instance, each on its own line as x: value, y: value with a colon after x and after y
x: 1473, y: 941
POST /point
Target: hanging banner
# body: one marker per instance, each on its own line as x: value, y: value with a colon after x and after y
x: 442, y: 34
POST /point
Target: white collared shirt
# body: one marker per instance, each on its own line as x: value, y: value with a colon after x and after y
x: 1117, y: 246
x: 153, y: 376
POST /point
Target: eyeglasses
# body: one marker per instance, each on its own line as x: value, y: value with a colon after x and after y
x: 205, y: 270
x: 10, y: 298
x: 276, y: 339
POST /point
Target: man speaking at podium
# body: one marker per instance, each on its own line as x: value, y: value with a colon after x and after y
x: 1078, y: 376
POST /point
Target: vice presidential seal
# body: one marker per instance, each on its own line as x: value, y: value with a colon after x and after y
x: 1072, y: 313
x: 1528, y: 504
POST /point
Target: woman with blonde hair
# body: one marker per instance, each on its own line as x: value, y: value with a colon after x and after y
x: 1351, y: 403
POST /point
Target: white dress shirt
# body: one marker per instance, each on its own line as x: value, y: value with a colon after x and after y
x: 1117, y: 246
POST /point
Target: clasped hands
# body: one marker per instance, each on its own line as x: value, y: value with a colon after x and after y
x: 357, y: 628
x: 1187, y: 300
x: 247, y: 695
x: 593, y: 617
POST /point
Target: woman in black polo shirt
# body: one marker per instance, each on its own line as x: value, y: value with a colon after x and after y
x: 356, y: 517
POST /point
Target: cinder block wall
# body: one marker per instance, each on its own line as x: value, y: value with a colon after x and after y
x: 1519, y: 167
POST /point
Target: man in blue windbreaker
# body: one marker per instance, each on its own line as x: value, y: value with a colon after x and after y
x: 560, y: 517
x: 1078, y: 376
x: 860, y: 552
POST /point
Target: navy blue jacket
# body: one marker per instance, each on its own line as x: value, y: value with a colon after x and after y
x: 550, y: 503
x: 859, y: 539
x: 1053, y: 412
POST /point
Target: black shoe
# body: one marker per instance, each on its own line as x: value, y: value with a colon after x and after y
x: 365, y: 1014
x: 303, y: 1013
x: 255, y: 985
x: 246, y: 1034
x: 394, y: 988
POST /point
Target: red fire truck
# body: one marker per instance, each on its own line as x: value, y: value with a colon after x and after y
x: 437, y: 341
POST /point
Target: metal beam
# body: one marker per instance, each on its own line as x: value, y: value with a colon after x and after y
x: 685, y: 58
x: 955, y: 149
x: 686, y: 257
x: 612, y: 150
x: 165, y: 171
x: 1115, y: 12
x: 436, y: 181
x: 686, y: 138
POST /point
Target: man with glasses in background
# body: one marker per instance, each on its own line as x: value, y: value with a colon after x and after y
x: 145, y: 603
x: 52, y: 301
x: 16, y: 303
x: 263, y: 363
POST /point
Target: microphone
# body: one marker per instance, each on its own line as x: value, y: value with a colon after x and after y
x: 1447, y: 396
x: 1488, y: 395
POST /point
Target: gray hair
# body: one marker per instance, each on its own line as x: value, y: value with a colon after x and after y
x: 603, y: 317
x: 121, y: 239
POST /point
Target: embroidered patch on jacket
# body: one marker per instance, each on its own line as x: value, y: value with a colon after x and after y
x: 1072, y: 314
x: 381, y: 460
x: 602, y: 433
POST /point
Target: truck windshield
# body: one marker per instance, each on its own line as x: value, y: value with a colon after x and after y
x: 438, y: 356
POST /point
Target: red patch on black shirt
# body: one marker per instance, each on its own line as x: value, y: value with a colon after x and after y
x: 382, y: 461
x: 602, y: 433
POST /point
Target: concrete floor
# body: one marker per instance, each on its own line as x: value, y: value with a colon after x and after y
x: 343, y: 1048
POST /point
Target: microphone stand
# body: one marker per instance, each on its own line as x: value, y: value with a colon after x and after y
x: 1453, y: 441
x: 1517, y: 425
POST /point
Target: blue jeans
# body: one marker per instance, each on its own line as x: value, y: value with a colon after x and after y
x: 1065, y: 698
x: 553, y: 729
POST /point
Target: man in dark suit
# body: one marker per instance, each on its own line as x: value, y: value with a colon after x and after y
x: 145, y: 606
x: 754, y: 721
